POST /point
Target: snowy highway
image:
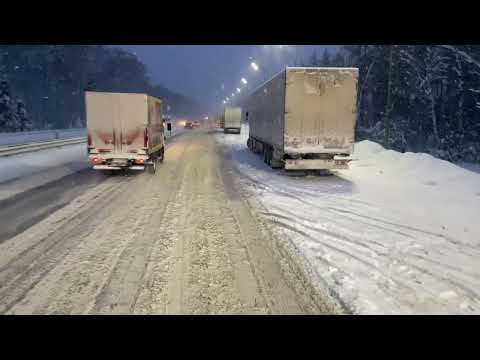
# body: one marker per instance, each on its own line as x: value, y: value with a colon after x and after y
x: 217, y: 231
x: 180, y: 241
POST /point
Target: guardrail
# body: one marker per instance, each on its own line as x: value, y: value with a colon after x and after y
x: 27, y: 137
x: 19, y: 149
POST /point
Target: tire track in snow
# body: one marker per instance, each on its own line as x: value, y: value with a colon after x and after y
x: 24, y: 271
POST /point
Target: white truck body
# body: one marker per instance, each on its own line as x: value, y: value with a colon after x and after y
x: 232, y: 119
x: 125, y: 131
x: 304, y: 118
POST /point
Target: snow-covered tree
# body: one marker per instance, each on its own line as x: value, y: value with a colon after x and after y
x: 431, y: 94
x: 23, y: 122
x: 430, y: 70
x: 326, y: 59
x: 7, y: 112
x: 338, y: 60
x: 313, y: 60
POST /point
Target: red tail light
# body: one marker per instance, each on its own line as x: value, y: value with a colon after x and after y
x: 145, y: 139
x: 89, y: 140
x: 95, y: 160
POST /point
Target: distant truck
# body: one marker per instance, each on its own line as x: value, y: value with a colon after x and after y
x: 304, y: 118
x: 125, y: 131
x: 232, y: 119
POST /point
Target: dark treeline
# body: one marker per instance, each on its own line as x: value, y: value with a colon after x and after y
x: 42, y: 86
x: 416, y: 97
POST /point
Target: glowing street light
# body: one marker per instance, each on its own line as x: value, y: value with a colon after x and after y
x: 238, y: 90
x: 244, y: 81
x: 227, y: 99
x: 254, y: 66
x: 224, y: 101
x: 233, y: 94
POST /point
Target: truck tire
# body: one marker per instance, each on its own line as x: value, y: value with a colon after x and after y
x: 276, y: 164
x: 162, y: 155
x: 266, y: 156
x: 153, y: 167
x: 269, y: 157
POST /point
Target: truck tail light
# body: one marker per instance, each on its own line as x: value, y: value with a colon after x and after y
x: 145, y: 139
x: 96, y: 160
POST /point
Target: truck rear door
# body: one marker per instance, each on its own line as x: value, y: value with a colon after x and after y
x: 130, y: 122
x: 101, y: 118
x: 320, y: 110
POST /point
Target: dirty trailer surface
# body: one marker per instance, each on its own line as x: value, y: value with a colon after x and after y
x: 182, y: 241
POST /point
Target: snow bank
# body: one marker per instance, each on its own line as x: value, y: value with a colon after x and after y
x: 395, y: 234
x: 23, y: 172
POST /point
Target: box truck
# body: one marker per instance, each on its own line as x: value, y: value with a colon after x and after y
x: 125, y: 131
x: 232, y: 119
x: 304, y: 118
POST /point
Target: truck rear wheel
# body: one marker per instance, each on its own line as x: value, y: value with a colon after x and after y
x: 275, y: 163
x: 153, y: 167
x: 267, y: 155
x: 162, y: 156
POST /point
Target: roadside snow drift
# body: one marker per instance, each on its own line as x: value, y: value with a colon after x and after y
x: 395, y: 234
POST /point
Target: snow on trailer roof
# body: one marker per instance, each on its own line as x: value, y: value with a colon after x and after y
x: 116, y: 92
x: 321, y: 68
x: 302, y: 68
x: 122, y: 93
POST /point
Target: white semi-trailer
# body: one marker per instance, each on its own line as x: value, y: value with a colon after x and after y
x: 232, y: 119
x: 304, y: 118
x: 125, y: 131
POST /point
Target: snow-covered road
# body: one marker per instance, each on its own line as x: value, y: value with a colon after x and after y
x: 394, y: 234
x: 180, y: 241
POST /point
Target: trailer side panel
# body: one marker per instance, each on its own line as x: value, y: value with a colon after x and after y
x: 265, y: 112
x: 156, y: 130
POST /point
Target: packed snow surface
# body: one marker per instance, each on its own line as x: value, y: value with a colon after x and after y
x: 397, y: 233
